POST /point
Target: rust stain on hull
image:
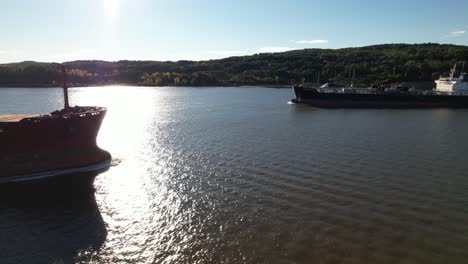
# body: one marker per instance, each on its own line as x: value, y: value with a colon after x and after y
x: 31, y: 144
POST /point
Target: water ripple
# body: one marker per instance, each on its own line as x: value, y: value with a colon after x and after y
x: 226, y: 175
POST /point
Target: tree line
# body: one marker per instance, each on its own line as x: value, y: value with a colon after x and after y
x: 372, y: 65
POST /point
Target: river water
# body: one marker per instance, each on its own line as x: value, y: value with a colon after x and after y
x: 238, y: 175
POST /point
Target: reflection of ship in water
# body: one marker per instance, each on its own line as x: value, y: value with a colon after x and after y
x: 60, y: 143
x: 55, y: 225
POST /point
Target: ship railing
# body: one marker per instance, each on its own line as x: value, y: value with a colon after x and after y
x: 377, y: 91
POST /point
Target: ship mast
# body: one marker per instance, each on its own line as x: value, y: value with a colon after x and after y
x: 65, y: 87
x: 452, y: 73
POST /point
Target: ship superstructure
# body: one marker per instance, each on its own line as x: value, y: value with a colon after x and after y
x: 452, y: 85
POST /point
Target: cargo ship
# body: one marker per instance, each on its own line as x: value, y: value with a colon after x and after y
x: 41, y: 146
x: 450, y: 92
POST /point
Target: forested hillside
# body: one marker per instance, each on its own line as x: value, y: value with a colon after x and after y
x: 381, y: 64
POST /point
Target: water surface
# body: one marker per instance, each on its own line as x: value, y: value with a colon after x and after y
x: 238, y: 175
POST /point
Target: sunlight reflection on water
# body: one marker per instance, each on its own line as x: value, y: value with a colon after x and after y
x: 202, y: 181
x: 234, y: 175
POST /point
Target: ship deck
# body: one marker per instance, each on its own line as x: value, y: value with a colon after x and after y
x: 15, y: 118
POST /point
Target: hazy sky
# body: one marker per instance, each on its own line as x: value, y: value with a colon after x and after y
x: 63, y: 30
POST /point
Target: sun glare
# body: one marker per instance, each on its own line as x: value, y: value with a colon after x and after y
x: 111, y: 7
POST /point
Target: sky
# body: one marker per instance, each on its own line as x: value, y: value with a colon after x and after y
x: 65, y: 30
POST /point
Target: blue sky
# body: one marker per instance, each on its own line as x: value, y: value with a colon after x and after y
x: 63, y: 30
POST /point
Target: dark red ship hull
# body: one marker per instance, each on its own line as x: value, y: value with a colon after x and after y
x: 63, y: 142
